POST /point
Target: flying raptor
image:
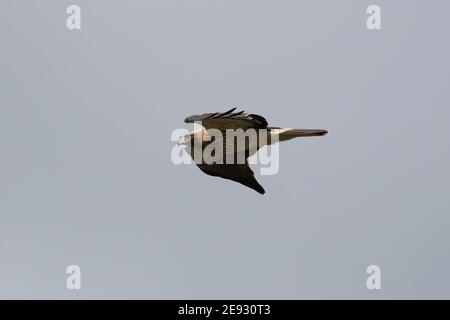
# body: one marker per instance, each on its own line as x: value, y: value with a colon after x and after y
x: 197, y: 141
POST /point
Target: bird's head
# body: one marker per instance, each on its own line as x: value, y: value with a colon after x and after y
x: 184, y: 140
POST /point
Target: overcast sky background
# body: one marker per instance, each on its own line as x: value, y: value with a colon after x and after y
x: 85, y: 170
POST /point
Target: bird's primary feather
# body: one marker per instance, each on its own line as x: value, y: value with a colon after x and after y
x: 228, y: 120
x: 236, y: 172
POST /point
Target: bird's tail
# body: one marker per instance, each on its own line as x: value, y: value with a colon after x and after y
x: 287, y: 134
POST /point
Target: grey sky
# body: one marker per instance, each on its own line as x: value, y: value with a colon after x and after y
x: 85, y: 170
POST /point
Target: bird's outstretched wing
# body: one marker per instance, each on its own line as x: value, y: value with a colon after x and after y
x: 237, y: 172
x: 229, y: 120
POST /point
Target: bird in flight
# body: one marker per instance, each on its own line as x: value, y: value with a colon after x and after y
x: 197, y: 141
